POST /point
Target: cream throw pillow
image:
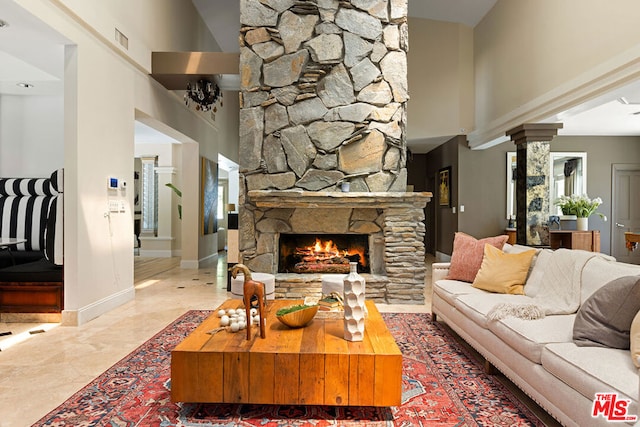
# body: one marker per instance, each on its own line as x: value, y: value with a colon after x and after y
x: 635, y: 340
x: 503, y: 273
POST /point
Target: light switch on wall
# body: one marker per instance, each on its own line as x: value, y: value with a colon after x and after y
x: 453, y: 209
x: 113, y: 206
x: 461, y: 208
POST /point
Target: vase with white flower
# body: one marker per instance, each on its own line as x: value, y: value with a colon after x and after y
x: 582, y: 207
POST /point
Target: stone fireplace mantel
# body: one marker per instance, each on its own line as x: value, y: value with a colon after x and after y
x: 334, y: 199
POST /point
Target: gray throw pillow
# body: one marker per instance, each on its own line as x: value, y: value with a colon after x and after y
x: 604, y: 320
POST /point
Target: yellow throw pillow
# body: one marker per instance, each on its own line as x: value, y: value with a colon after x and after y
x: 503, y: 273
x: 635, y: 340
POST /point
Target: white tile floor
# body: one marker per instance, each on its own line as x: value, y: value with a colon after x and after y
x: 40, y: 371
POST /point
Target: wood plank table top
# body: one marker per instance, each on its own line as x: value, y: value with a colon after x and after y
x: 313, y: 365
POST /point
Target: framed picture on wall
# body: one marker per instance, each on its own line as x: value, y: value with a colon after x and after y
x: 444, y: 186
x: 209, y: 196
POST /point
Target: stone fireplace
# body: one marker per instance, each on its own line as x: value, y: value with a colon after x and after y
x: 393, y: 223
x: 323, y: 105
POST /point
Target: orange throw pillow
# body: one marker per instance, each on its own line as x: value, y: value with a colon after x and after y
x: 467, y: 255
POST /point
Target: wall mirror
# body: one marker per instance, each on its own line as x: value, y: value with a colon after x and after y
x: 568, y: 175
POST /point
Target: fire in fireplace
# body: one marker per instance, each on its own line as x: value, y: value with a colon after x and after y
x: 323, y: 253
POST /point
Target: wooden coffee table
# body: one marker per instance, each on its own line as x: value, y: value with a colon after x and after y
x: 313, y: 365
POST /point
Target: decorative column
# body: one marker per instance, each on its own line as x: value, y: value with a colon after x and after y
x: 532, y: 181
x: 166, y: 210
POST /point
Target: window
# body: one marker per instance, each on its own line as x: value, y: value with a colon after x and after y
x: 149, y: 196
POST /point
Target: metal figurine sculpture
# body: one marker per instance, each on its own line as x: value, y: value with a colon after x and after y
x: 251, y: 288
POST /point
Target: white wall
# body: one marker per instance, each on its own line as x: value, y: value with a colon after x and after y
x: 440, y: 73
x: 535, y: 58
x: 31, y: 135
x: 104, y: 89
x: 150, y: 25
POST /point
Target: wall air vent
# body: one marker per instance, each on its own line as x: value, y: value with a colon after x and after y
x: 122, y: 40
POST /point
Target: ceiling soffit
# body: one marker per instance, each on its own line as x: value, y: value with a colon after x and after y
x: 174, y: 70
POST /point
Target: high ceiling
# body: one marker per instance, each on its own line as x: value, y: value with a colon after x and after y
x: 602, y: 116
x: 32, y: 52
x: 223, y: 16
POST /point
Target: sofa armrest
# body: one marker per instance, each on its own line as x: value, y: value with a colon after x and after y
x: 439, y: 270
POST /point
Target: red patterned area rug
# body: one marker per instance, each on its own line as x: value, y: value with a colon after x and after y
x: 443, y: 385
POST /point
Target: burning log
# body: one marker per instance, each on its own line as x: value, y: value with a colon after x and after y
x: 321, y: 257
x: 306, y: 267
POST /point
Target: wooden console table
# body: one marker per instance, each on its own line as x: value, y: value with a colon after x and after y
x: 308, y: 366
x: 573, y: 239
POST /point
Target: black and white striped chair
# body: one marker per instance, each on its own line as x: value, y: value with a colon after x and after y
x: 32, y: 209
x: 29, y: 209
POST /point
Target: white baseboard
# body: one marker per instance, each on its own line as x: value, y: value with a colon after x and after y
x: 96, y: 309
x: 189, y: 264
x: 195, y: 264
x: 209, y: 258
x: 156, y: 253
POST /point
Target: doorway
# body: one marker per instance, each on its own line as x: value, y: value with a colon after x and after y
x: 625, y: 210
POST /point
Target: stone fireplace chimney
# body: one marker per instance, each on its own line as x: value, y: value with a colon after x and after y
x: 324, y: 94
x: 323, y: 102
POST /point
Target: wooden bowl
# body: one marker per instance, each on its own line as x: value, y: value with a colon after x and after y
x: 299, y: 318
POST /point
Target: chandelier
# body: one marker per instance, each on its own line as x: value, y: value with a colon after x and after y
x: 204, y: 93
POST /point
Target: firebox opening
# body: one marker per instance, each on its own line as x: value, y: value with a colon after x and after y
x: 323, y: 253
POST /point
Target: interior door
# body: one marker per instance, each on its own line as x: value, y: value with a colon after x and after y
x: 626, y: 210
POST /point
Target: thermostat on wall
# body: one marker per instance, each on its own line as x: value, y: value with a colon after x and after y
x: 113, y: 183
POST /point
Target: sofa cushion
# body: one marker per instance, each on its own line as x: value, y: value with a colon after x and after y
x: 26, y: 218
x: 24, y: 206
x: 528, y: 337
x: 634, y: 340
x: 449, y: 290
x: 503, y: 273
x: 21, y: 187
x: 18, y: 257
x: 54, y: 232
x: 37, y: 271
x: 477, y: 306
x: 591, y: 370
x: 56, y: 180
x: 468, y: 253
x: 604, y: 320
x: 600, y: 271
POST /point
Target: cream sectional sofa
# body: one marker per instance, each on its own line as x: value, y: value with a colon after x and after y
x: 539, y: 356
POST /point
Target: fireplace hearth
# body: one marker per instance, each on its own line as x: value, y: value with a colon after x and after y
x: 323, y: 253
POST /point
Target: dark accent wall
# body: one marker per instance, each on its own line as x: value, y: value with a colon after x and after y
x: 483, y: 189
x: 602, y: 154
x: 479, y: 184
x: 483, y: 181
x: 422, y: 170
